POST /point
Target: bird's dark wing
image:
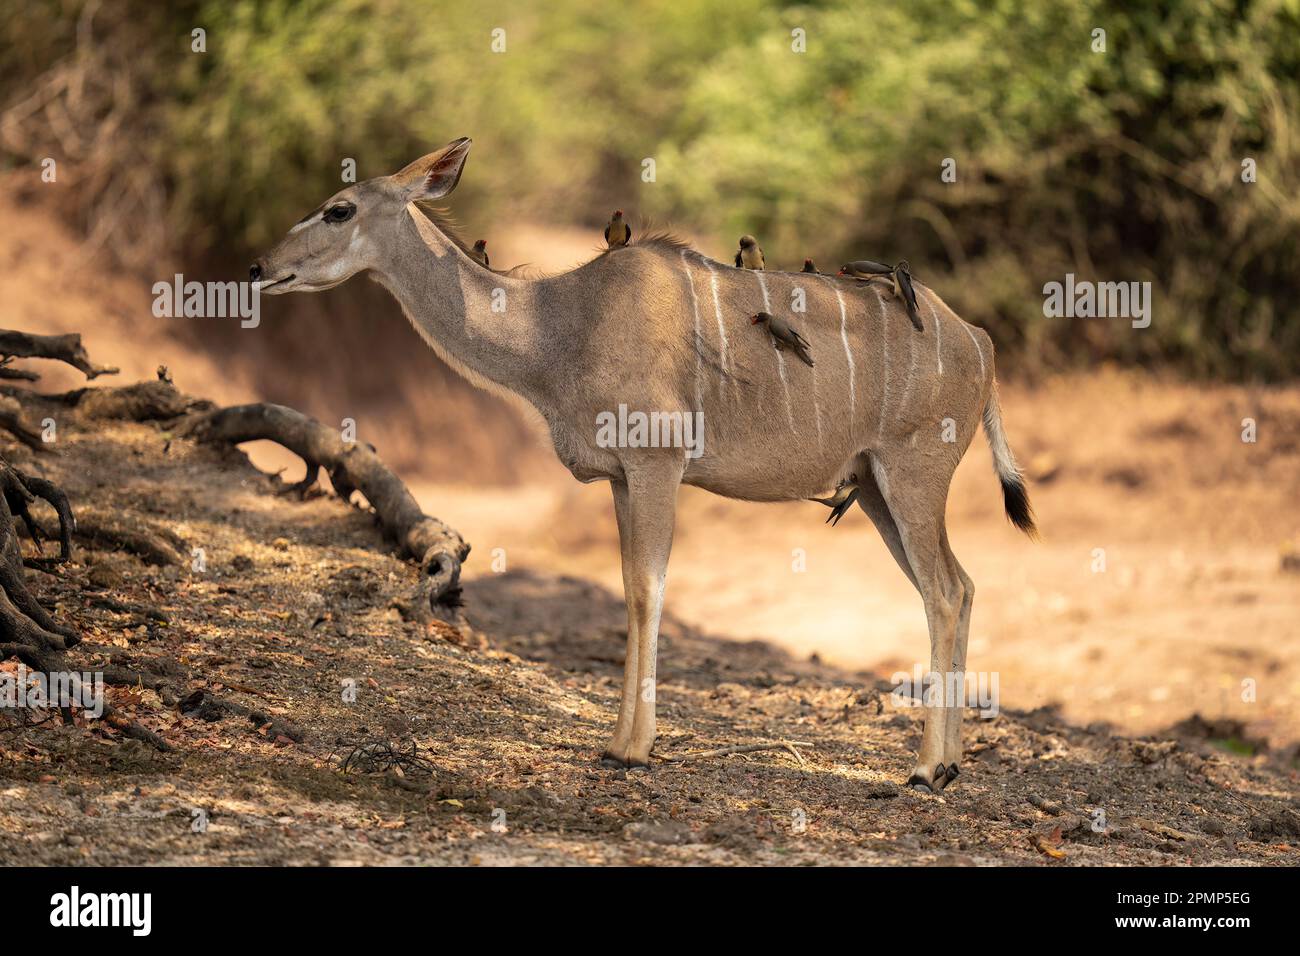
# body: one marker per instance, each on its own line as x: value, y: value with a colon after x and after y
x: 801, y: 348
x: 487, y: 263
x: 739, y: 261
x: 627, y: 235
x: 607, y: 233
x: 842, y: 508
x: 870, y: 267
x: 909, y: 297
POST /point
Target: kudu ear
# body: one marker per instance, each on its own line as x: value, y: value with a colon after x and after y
x: 434, y: 175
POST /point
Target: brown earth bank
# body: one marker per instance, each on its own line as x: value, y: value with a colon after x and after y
x: 482, y: 747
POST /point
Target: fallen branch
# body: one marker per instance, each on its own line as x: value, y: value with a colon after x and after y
x: 61, y: 348
x: 790, y: 746
x: 352, y: 466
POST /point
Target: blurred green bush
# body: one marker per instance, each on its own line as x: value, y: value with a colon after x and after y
x: 1117, y: 165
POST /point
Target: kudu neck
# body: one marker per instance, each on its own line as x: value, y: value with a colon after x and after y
x: 485, y: 325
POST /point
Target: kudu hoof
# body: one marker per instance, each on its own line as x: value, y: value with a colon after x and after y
x: 615, y: 762
x: 935, y: 783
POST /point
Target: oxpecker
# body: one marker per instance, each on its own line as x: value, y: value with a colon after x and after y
x: 903, y: 288
x: 784, y: 337
x: 900, y: 276
x: 750, y: 255
x: 479, y: 254
x: 866, y: 269
x: 618, y: 233
x: 846, y: 492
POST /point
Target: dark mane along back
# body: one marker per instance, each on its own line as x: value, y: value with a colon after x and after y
x: 660, y: 239
x: 664, y: 239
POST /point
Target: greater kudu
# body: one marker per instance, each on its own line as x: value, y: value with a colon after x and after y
x: 657, y: 327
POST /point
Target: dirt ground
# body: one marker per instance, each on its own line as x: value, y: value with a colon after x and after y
x: 298, y: 598
x: 1149, y: 692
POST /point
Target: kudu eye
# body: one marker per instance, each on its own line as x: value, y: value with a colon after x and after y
x: 340, y: 213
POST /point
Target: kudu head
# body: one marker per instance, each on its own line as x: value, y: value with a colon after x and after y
x: 337, y: 240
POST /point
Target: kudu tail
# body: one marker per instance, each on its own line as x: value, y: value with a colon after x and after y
x: 1014, y: 495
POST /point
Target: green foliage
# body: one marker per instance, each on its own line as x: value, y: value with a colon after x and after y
x: 1118, y: 165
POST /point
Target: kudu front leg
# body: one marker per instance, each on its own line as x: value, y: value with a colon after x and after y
x: 646, y: 506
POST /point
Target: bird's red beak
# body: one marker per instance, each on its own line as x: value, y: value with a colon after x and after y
x: 841, y: 272
x: 618, y: 212
x: 754, y: 321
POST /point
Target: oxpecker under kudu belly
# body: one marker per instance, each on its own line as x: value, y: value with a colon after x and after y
x: 846, y: 492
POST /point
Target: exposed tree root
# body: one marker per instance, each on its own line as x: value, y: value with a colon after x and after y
x: 30, y: 633
x: 143, y: 402
x: 352, y: 467
x: 20, y: 491
x: 152, y: 545
x: 11, y: 420
x: 62, y: 348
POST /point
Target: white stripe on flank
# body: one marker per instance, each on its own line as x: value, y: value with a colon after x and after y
x: 780, y: 359
x: 699, y: 335
x: 762, y: 284
x: 848, y: 354
x: 978, y: 351
x: 938, y: 335
x: 717, y: 309
x: 884, y: 338
x: 780, y: 370
x: 911, y: 371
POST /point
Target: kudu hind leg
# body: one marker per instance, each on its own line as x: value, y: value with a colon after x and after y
x: 952, y: 748
x: 871, y: 501
x: 646, y: 519
x: 916, y: 497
